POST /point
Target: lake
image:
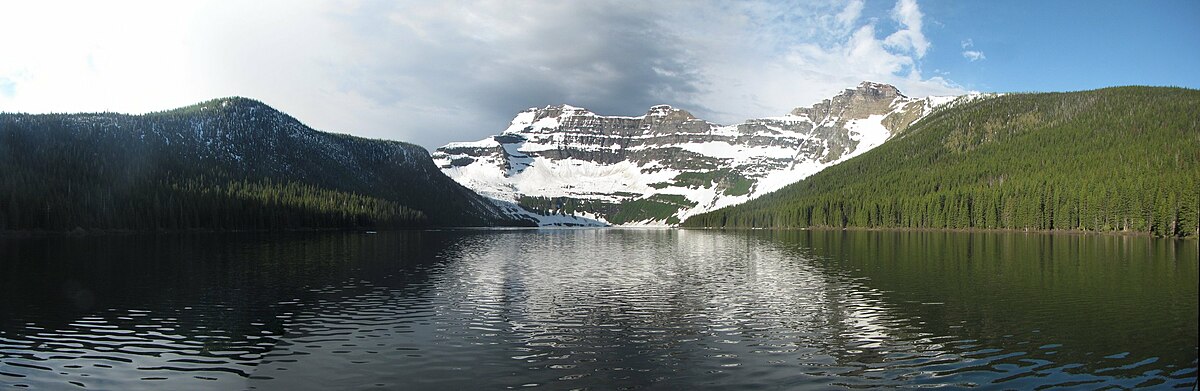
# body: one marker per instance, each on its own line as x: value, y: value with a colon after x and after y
x: 598, y: 309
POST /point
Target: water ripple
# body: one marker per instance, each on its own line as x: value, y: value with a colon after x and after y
x: 600, y: 309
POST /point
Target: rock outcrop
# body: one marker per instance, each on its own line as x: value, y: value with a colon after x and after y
x: 660, y: 167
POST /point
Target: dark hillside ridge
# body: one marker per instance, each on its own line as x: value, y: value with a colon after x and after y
x: 231, y: 163
x: 1124, y: 159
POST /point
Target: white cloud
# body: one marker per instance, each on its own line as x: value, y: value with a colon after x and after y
x: 760, y: 76
x: 849, y: 15
x: 973, y: 55
x: 909, y: 37
x: 434, y: 72
x: 138, y: 56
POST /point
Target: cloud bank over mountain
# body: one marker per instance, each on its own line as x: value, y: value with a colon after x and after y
x: 433, y: 72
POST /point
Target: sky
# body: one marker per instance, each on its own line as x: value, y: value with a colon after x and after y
x: 433, y: 72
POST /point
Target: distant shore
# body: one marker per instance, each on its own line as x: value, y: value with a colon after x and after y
x: 958, y: 230
x: 79, y: 232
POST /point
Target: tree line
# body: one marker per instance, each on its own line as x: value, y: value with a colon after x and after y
x: 1118, y: 159
x: 239, y: 165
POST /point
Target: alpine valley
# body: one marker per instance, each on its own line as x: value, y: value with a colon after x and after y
x: 570, y: 166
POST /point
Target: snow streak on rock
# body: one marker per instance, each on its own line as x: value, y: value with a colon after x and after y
x: 574, y: 167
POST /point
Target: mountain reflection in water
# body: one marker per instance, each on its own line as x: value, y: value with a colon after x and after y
x: 598, y: 308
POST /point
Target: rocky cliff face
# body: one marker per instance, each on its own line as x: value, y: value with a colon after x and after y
x: 665, y: 165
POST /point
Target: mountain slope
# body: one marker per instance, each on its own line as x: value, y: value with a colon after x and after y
x: 230, y: 163
x: 666, y: 165
x: 1115, y: 159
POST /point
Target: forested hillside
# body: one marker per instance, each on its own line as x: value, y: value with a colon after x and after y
x: 230, y: 163
x: 1115, y: 159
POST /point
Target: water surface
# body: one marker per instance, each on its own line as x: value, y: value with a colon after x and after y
x: 598, y: 309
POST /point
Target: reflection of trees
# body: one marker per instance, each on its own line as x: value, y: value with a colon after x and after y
x: 617, y: 308
x: 173, y: 305
x: 995, y: 300
x: 678, y: 308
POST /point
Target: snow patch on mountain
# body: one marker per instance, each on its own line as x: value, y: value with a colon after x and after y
x: 572, y: 165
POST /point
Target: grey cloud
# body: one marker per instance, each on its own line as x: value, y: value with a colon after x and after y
x: 432, y: 72
x: 488, y: 61
x: 436, y: 72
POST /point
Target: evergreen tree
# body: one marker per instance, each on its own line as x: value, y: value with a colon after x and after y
x: 1115, y: 159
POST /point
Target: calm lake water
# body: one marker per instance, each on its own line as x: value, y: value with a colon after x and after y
x: 598, y: 309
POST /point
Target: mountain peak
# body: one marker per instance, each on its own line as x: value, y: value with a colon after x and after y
x: 668, y: 111
x: 874, y: 89
x: 660, y: 110
x: 870, y: 96
x: 559, y: 110
x: 235, y: 103
x: 562, y: 106
x: 238, y: 102
x: 660, y: 167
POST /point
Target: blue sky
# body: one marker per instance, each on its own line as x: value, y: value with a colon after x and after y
x: 1066, y: 45
x: 433, y: 72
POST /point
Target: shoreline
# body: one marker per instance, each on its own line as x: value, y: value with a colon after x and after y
x: 82, y: 233
x: 1073, y: 232
x: 23, y: 234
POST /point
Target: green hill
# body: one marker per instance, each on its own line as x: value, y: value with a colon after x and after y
x: 231, y: 163
x: 1116, y: 159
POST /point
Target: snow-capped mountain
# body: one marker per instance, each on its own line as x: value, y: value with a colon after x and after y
x: 661, y: 167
